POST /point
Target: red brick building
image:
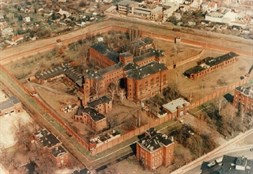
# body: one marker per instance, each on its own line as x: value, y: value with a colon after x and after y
x: 145, y: 82
x: 155, y: 150
x: 243, y: 98
x: 210, y: 64
x: 60, y: 156
x: 143, y: 76
x: 51, y: 143
x: 103, y: 105
x: 93, y: 118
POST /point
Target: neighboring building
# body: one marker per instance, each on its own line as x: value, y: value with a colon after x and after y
x: 47, y: 139
x: 228, y: 165
x: 155, y: 150
x: 60, y: 156
x: 210, y: 64
x: 131, y: 8
x: 93, y: 118
x: 177, y: 107
x: 243, y: 98
x: 10, y: 105
x: 227, y: 16
x: 51, y: 143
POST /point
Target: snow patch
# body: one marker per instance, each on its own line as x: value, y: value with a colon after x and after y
x: 9, y: 124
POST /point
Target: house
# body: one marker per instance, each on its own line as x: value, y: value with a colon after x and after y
x: 155, y: 149
x: 46, y: 139
x: 60, y: 156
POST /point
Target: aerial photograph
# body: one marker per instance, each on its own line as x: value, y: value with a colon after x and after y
x: 126, y: 86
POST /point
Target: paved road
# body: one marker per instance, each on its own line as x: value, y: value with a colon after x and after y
x: 228, y: 147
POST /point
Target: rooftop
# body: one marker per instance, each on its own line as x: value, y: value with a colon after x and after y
x: 109, y: 69
x: 103, y: 49
x: 153, y: 140
x: 9, y: 103
x: 125, y: 2
x: 209, y: 62
x: 151, y: 53
x: 99, y: 101
x: 172, y: 106
x: 65, y: 69
x: 46, y: 138
x: 143, y: 41
x: 96, y: 116
x: 247, y: 91
x: 82, y: 171
x: 58, y: 151
x: 144, y: 71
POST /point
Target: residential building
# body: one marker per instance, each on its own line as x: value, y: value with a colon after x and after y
x: 210, y: 64
x: 47, y: 139
x: 60, y: 156
x: 177, y: 107
x: 131, y: 8
x: 155, y: 149
x: 243, y: 98
x: 51, y: 143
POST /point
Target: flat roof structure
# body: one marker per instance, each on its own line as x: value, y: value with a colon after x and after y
x: 99, y: 101
x: 9, y: 103
x: 103, y: 49
x: 247, y: 91
x: 209, y: 62
x: 144, y: 71
x: 172, y: 106
x: 62, y: 69
x: 153, y: 140
x: 58, y: 151
x: 96, y: 116
x: 46, y: 138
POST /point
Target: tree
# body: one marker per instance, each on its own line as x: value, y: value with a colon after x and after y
x: 112, y: 90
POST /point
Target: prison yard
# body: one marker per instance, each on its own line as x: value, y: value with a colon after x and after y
x: 114, y: 89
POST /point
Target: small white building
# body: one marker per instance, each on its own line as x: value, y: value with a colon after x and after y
x: 177, y: 107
